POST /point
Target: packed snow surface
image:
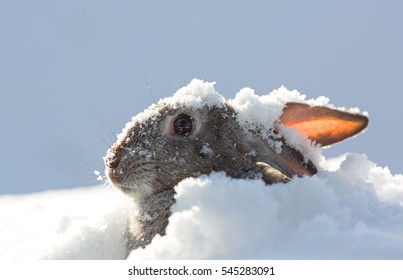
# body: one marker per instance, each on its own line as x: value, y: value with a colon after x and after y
x: 351, y: 209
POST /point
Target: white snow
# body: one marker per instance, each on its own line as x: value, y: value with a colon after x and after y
x: 196, y: 94
x: 207, y: 150
x: 253, y: 110
x: 82, y: 223
x: 355, y: 212
x: 351, y: 209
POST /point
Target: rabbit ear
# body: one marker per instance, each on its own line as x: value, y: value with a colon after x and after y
x: 323, y: 125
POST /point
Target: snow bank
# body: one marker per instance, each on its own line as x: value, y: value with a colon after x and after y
x: 351, y: 209
x: 355, y: 212
x: 84, y: 223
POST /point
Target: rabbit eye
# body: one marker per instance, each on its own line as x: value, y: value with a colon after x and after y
x: 183, y: 125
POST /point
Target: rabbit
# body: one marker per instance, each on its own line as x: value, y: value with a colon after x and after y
x: 171, y: 141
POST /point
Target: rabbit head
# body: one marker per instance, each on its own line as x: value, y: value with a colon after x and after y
x: 183, y: 137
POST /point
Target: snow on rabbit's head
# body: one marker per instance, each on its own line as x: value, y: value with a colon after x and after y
x: 197, y: 131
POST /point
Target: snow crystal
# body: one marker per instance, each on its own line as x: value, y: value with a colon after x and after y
x: 207, y: 150
x: 98, y: 174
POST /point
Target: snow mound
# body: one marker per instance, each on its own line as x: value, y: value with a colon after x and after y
x: 351, y: 209
x: 355, y: 212
x: 83, y: 223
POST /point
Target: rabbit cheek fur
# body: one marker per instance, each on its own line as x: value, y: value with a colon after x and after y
x: 151, y: 159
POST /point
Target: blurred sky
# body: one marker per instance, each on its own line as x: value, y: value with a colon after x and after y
x: 71, y: 72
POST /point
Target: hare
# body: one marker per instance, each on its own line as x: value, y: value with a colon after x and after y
x: 189, y: 135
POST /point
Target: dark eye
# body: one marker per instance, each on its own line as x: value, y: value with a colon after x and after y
x: 183, y: 125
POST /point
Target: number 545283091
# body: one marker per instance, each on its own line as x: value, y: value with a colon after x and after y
x: 247, y: 270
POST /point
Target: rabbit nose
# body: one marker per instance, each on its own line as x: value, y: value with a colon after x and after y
x: 112, y: 162
x: 112, y: 159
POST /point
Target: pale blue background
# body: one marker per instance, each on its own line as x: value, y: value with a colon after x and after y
x: 71, y: 69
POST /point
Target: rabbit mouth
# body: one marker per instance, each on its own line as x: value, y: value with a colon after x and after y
x: 137, y: 187
x: 138, y: 181
x: 114, y: 176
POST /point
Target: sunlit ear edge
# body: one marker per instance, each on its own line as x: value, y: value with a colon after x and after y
x: 323, y: 125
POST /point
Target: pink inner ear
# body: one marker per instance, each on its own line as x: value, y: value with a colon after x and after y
x: 323, y: 125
